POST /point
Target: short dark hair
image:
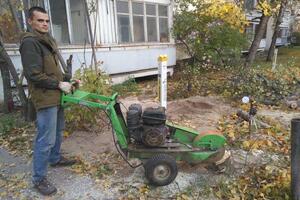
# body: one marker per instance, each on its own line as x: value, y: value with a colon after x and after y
x: 35, y: 8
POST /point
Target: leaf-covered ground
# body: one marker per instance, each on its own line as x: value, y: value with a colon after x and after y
x: 259, y: 166
x: 259, y: 160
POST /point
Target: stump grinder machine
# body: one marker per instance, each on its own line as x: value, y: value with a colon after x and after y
x: 146, y: 135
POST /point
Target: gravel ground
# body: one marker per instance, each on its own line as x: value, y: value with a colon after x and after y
x: 70, y: 186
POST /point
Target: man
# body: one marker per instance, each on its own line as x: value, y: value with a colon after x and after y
x: 46, y: 82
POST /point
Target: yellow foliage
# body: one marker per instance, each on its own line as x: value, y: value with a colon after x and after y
x: 231, y: 134
x: 267, y: 8
x: 226, y: 12
x: 66, y: 134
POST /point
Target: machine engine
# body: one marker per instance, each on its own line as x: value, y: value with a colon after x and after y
x: 148, y: 127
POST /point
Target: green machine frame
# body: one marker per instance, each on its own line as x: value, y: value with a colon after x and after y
x: 184, y: 143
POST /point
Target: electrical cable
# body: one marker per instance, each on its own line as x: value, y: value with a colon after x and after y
x: 119, y: 148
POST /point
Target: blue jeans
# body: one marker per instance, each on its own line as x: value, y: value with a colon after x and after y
x: 50, y: 125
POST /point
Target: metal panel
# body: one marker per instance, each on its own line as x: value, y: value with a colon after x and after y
x: 112, y: 23
x: 106, y: 22
x: 104, y: 13
x: 101, y: 22
x: 69, y: 19
x: 126, y: 60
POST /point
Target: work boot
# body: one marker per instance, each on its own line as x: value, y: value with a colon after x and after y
x: 45, y: 187
x: 63, y: 162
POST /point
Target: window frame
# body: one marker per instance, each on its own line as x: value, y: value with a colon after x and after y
x: 138, y: 15
x: 145, y: 15
x: 163, y: 17
x: 156, y: 20
x: 69, y: 21
x: 252, y: 7
x: 129, y: 14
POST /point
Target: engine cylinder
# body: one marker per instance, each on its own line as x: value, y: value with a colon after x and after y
x: 154, y: 136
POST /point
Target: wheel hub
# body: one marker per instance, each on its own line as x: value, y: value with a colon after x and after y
x: 162, y: 172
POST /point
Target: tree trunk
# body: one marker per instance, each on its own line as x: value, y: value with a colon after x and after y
x: 8, y: 99
x: 7, y: 91
x: 276, y: 30
x: 257, y: 38
x: 91, y: 33
x: 5, y: 57
x: 15, y: 16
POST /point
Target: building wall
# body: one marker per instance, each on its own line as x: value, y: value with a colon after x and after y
x: 121, y: 62
x: 116, y: 60
x: 119, y: 59
x: 253, y: 15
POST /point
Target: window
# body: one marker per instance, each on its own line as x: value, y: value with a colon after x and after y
x: 59, y: 19
x: 142, y: 22
x: 249, y: 4
x: 163, y: 23
x: 123, y: 21
x: 283, y: 34
x: 249, y: 31
x: 35, y: 3
x: 79, y: 25
x: 68, y: 20
x: 151, y: 22
x: 69, y: 27
x: 138, y: 22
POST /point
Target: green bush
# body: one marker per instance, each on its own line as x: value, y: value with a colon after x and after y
x: 10, y: 121
x: 265, y: 85
x: 94, y: 81
x: 208, y: 38
x: 127, y: 87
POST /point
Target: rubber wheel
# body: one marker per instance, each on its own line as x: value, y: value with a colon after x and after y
x: 161, y: 170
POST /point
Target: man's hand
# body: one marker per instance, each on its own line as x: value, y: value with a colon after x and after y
x: 66, y: 87
x: 75, y: 83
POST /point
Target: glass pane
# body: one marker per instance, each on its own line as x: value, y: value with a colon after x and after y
x: 79, y: 26
x: 151, y: 28
x: 138, y: 8
x: 163, y: 30
x: 138, y: 28
x: 35, y: 3
x: 150, y: 9
x: 124, y: 28
x: 283, y: 32
x: 122, y: 7
x: 163, y: 10
x: 249, y: 4
x: 59, y: 21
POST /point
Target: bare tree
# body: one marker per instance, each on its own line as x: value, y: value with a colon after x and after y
x: 7, y: 91
x: 276, y: 29
x: 94, y: 59
x: 8, y: 65
x: 14, y: 14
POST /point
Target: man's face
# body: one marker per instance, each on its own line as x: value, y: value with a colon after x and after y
x: 39, y: 22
